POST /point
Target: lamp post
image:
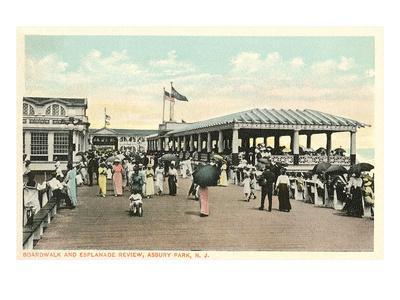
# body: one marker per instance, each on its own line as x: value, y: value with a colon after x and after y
x: 73, y: 124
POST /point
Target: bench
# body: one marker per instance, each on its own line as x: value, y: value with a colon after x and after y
x: 33, y: 232
x: 27, y: 241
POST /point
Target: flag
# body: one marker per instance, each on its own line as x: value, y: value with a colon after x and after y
x: 177, y: 96
x: 167, y: 96
x: 108, y: 118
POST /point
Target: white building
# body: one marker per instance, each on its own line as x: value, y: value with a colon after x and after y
x: 46, y: 133
x: 120, y: 139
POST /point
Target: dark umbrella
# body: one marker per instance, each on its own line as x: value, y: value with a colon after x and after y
x: 339, y: 150
x: 320, y: 150
x: 169, y: 157
x: 206, y: 176
x: 321, y: 167
x: 336, y: 170
x: 361, y: 167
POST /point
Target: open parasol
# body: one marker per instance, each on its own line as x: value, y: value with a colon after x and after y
x: 218, y: 157
x: 169, y: 157
x: 336, y: 170
x: 111, y: 159
x: 206, y: 176
x: 321, y: 167
x: 360, y: 167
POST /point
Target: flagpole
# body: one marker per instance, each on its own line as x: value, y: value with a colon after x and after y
x: 171, y: 106
x: 105, y: 118
x: 163, y: 107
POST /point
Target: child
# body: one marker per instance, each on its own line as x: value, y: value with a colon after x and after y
x: 246, y: 187
x: 252, y: 194
x: 135, y: 207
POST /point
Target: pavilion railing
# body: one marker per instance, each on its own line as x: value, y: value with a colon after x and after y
x: 315, y: 159
x: 283, y: 159
x: 340, y: 160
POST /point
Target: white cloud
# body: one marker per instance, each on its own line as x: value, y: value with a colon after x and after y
x: 254, y: 80
x: 116, y: 62
x: 171, y: 66
x: 251, y: 62
x: 45, y: 67
x: 330, y: 65
x: 345, y: 63
x: 297, y: 62
x: 324, y: 67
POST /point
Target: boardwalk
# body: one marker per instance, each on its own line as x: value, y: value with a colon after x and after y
x: 174, y: 223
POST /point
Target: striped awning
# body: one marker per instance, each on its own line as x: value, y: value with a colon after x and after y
x: 275, y: 116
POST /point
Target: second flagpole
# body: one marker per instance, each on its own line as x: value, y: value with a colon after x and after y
x: 171, y: 106
x: 163, y: 108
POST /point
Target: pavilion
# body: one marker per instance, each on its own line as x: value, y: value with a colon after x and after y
x: 238, y: 132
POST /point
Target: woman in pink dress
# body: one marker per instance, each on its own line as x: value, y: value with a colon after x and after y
x: 117, y: 177
x: 203, y: 197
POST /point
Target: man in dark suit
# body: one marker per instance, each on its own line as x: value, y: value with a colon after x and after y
x: 93, y: 167
x: 266, y: 181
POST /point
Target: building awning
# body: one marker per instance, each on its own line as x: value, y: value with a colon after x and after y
x: 289, y: 117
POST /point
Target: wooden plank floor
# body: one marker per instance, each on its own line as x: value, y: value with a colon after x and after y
x: 174, y: 223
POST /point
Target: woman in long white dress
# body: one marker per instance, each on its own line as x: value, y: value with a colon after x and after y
x: 159, y: 174
x: 223, y: 179
x: 149, y: 181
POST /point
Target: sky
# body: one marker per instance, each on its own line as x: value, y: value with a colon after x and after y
x: 218, y: 74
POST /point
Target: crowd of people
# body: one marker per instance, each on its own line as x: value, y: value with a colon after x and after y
x: 144, y: 177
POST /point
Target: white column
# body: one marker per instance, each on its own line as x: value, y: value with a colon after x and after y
x: 166, y: 142
x: 191, y: 143
x: 328, y: 144
x: 199, y: 142
x: 184, y: 143
x: 353, y: 147
x: 173, y: 141
x: 50, y: 145
x: 209, y: 142
x: 220, y: 141
x: 295, y: 142
x: 159, y: 144
x: 28, y: 144
x: 235, y: 141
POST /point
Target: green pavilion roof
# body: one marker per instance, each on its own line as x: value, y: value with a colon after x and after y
x: 276, y: 117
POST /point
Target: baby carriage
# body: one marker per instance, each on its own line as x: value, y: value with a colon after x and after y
x: 136, y: 205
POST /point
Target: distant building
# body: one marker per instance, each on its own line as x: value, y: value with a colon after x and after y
x: 48, y: 129
x: 119, y: 139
